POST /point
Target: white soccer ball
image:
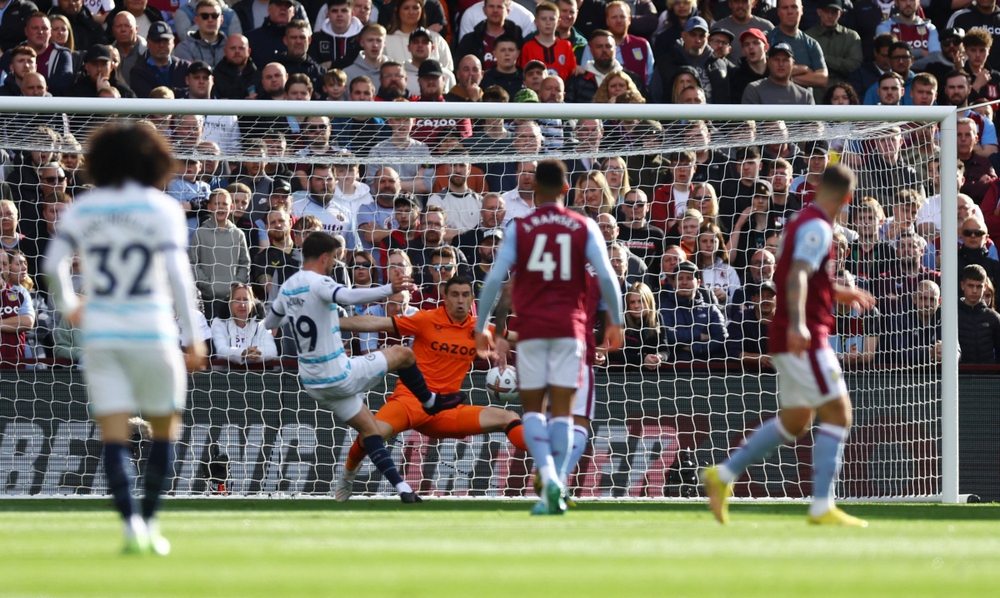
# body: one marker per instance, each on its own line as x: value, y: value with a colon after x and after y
x: 502, y: 382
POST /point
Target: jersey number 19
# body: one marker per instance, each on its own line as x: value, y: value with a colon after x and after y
x: 542, y: 261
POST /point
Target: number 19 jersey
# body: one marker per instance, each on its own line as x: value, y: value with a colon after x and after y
x: 121, y: 236
x: 550, y: 284
x: 308, y: 300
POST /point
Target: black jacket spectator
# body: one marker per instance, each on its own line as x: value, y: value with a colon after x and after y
x: 84, y: 87
x: 687, y: 321
x: 267, y: 41
x: 978, y: 333
x: 153, y: 14
x: 637, y: 343
x: 232, y: 83
x: 146, y: 76
x: 739, y: 78
x: 86, y: 31
x: 591, y: 17
x: 910, y: 341
x: 244, y: 11
x: 715, y: 68
x: 968, y: 256
x: 306, y: 65
x: 340, y: 51
x: 864, y: 77
x: 14, y: 20
x: 511, y: 83
x: 10, y: 88
x: 580, y: 89
x: 472, y: 43
x: 747, y: 334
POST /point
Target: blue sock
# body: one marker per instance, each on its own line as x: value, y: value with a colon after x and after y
x: 380, y: 457
x: 561, y: 443
x: 828, y: 453
x: 769, y: 436
x: 413, y: 379
x: 580, y: 436
x: 536, y: 436
x: 157, y: 475
x: 116, y: 469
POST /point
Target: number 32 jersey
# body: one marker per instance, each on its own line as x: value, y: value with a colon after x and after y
x: 123, y: 238
x: 308, y: 300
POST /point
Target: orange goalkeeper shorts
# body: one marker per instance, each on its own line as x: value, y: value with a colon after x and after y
x: 404, y: 412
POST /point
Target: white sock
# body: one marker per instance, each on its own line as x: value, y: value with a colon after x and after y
x: 403, y: 487
x: 726, y: 475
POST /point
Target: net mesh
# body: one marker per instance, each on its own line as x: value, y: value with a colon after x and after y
x: 689, y: 386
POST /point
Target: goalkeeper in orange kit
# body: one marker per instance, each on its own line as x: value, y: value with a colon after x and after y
x: 445, y: 346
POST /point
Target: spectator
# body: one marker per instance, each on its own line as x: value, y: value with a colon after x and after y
x: 363, y: 272
x: 915, y: 334
x: 642, y: 344
x: 392, y: 81
x: 869, y: 257
x: 372, y: 55
x: 235, y: 75
x: 592, y: 195
x: 460, y: 203
x: 635, y: 268
x: 486, y: 253
x: 809, y: 69
x: 10, y: 234
x: 555, y: 53
x: 979, y: 173
x: 145, y: 15
x: 692, y: 51
x: 296, y: 59
x: 241, y: 218
x: 268, y: 39
x: 984, y: 86
x: 17, y: 317
x: 468, y: 81
x: 320, y: 201
x: 435, y: 222
x: 520, y: 200
x: 408, y: 17
x: 222, y: 129
x: 492, y: 212
x: 957, y: 91
x: 978, y: 325
x: 856, y: 338
x: 890, y: 89
x: 62, y: 35
x: 748, y: 328
x: 618, y: 256
x: 760, y: 269
x: 632, y: 52
x: 442, y: 265
x: 161, y: 67
x: 253, y: 13
x: 907, y: 26
x: 35, y: 246
x: 130, y: 45
x: 350, y: 191
x: 676, y: 17
x: 406, y: 215
x: 335, y: 43
x: 904, y: 215
x: 376, y: 219
x: 752, y: 227
x: 737, y: 193
x: 981, y: 14
x: 900, y: 59
x: 566, y: 27
x: 185, y: 19
x: 948, y: 59
x: 907, y: 274
x: 637, y: 234
x: 334, y: 85
x: 740, y: 20
x: 842, y: 48
x: 99, y: 73
x: 277, y: 261
x: 242, y: 338
x: 883, y: 173
x: 207, y: 43
x: 54, y: 62
x: 23, y: 61
x: 580, y: 89
x: 670, y: 201
x: 803, y: 187
x: 414, y: 171
x: 219, y: 254
x: 480, y: 41
x: 616, y: 174
x: 713, y: 260
x: 504, y: 71
x: 615, y: 84
x: 752, y: 64
x: 721, y: 42
x: 975, y: 251
x: 421, y: 49
x: 86, y: 31
x: 358, y: 135
x: 779, y: 87
x: 694, y: 329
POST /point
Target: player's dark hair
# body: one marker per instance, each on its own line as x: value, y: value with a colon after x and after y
x: 837, y: 181
x: 123, y: 152
x: 318, y: 244
x: 550, y: 177
x: 974, y: 272
x: 456, y: 280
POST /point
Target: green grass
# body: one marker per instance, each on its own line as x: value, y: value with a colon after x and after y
x: 481, y: 548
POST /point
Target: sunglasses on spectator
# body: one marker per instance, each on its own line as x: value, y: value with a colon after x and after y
x: 633, y: 204
x: 54, y: 179
x: 214, y: 16
x: 362, y: 264
x: 445, y: 267
x: 974, y: 233
x: 901, y: 57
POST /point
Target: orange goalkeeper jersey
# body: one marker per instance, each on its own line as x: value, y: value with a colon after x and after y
x: 445, y: 349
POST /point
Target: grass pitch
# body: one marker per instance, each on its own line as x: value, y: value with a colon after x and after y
x: 480, y: 548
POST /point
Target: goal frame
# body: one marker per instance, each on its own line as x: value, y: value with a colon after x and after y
x: 945, y: 116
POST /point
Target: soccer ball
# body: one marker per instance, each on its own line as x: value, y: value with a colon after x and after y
x: 502, y: 382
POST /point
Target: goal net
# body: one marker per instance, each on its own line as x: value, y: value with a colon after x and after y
x: 713, y: 185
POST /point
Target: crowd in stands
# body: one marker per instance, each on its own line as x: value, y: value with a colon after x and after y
x: 692, y: 235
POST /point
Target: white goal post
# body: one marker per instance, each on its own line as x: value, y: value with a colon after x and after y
x: 848, y: 122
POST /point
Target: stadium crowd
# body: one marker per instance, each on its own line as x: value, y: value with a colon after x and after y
x: 692, y: 235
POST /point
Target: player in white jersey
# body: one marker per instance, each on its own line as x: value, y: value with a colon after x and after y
x: 131, y: 241
x: 308, y: 300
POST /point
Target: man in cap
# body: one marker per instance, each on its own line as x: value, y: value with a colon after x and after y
x: 741, y: 19
x: 778, y: 88
x: 99, y: 73
x: 809, y: 68
x: 981, y: 14
x: 420, y: 47
x: 696, y: 330
x: 752, y: 66
x: 804, y: 186
x: 721, y: 40
x: 948, y: 59
x: 268, y: 40
x: 841, y: 46
x: 161, y: 67
x: 692, y: 50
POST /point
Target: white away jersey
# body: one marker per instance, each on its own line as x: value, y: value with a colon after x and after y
x: 308, y: 300
x: 123, y: 238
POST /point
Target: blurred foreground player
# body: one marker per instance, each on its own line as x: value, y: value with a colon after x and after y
x: 549, y: 250
x: 329, y: 376
x: 810, y: 382
x: 445, y: 349
x: 131, y: 241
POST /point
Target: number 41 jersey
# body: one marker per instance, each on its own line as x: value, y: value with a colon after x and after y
x: 121, y: 236
x: 308, y: 300
x: 550, y: 283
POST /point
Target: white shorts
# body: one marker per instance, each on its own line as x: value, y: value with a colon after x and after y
x: 586, y: 397
x: 347, y: 397
x: 151, y: 381
x: 810, y: 380
x: 544, y: 362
